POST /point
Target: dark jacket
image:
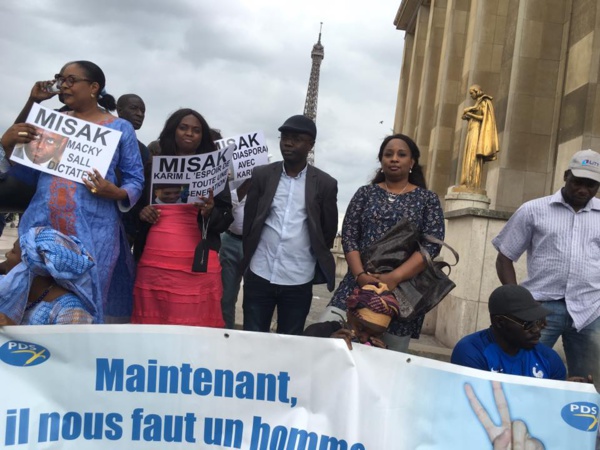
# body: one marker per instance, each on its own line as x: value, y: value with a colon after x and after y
x: 321, y: 209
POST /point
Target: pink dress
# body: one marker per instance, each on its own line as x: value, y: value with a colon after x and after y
x: 166, y: 290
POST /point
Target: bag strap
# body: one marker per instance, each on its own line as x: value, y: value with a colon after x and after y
x: 434, y: 240
x: 427, y: 256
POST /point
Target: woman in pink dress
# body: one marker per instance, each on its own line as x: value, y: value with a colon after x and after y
x: 166, y: 290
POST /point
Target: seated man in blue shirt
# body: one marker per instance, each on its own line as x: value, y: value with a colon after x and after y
x: 511, y: 344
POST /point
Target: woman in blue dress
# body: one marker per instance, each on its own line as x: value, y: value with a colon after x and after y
x: 91, y: 210
x: 397, y: 190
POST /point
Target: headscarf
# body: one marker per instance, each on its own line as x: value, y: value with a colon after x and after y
x: 47, y: 252
x: 373, y: 304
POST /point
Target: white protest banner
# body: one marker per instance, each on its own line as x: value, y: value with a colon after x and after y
x: 66, y: 146
x: 167, y: 387
x: 250, y: 150
x: 181, y: 180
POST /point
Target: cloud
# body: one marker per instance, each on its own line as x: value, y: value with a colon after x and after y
x: 244, y: 64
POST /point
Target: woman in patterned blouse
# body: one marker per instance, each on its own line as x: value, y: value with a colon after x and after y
x: 397, y: 191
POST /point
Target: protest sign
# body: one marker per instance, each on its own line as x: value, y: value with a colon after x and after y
x: 180, y: 180
x: 168, y: 387
x: 250, y: 150
x: 66, y: 146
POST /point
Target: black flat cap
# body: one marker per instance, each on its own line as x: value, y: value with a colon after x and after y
x: 300, y: 124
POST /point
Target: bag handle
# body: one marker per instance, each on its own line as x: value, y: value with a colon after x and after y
x: 434, y: 240
x: 427, y: 256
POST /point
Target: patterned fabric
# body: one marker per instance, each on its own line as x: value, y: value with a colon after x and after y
x: 72, y: 209
x: 380, y: 303
x: 47, y: 252
x: 67, y: 309
x: 563, y: 253
x: 369, y: 216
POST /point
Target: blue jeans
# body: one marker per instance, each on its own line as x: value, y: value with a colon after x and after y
x: 582, y: 348
x: 261, y: 297
x: 230, y: 256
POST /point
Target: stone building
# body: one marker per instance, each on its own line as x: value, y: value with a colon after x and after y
x: 539, y: 60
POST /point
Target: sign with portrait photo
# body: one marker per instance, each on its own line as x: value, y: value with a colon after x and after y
x: 250, y: 150
x: 65, y: 146
x: 180, y: 180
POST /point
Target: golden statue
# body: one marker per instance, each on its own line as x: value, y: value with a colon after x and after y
x: 482, y: 138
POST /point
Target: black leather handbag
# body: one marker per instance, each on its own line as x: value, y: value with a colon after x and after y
x: 424, y: 291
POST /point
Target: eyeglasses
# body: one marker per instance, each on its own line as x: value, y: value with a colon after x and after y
x: 527, y: 325
x: 68, y: 81
x: 293, y: 138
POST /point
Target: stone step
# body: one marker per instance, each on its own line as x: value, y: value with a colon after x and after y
x: 429, y: 347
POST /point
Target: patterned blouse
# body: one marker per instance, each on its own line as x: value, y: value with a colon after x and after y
x: 370, y: 214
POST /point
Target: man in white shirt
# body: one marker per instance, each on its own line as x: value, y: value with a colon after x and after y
x: 290, y: 222
x: 561, y: 235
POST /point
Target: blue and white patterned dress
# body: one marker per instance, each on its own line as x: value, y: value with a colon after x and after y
x: 72, y: 209
x: 370, y: 215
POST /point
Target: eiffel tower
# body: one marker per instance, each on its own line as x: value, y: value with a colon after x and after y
x: 312, y: 94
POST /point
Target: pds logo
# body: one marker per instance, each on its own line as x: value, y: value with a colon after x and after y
x: 23, y: 354
x: 581, y: 415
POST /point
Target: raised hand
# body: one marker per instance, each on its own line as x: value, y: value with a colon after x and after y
x: 508, y: 435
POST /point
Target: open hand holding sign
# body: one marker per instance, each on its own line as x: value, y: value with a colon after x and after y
x: 509, y: 435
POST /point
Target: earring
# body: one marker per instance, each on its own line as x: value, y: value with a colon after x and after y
x: 92, y: 96
x: 410, y: 171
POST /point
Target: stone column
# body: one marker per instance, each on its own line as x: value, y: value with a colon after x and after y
x: 429, y: 80
x: 409, y: 40
x: 528, y: 102
x: 442, y: 168
x: 578, y: 125
x: 409, y: 124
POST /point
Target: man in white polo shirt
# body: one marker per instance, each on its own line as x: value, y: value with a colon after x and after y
x: 561, y: 235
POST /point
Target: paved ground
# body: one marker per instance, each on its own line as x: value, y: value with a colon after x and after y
x: 8, y: 238
x: 425, y: 346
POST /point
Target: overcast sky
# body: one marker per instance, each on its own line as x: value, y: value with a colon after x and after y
x: 243, y: 64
